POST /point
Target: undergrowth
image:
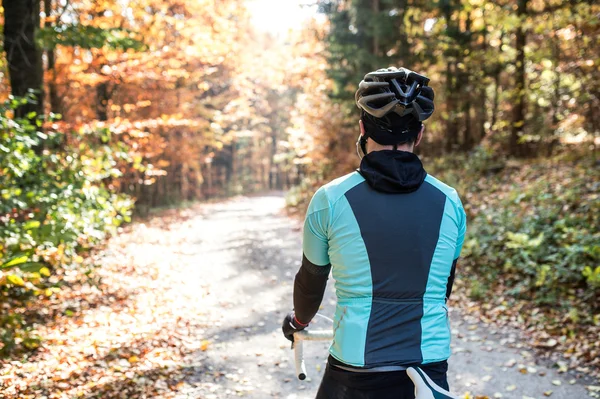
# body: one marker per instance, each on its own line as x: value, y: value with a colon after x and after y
x: 534, y: 226
x: 57, y: 202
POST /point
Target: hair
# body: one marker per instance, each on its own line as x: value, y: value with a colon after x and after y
x: 392, y: 129
x: 408, y: 141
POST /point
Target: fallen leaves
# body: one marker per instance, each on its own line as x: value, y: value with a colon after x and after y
x: 127, y: 335
x: 204, y: 345
x: 572, y: 347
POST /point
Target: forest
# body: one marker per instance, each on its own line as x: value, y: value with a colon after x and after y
x: 113, y: 111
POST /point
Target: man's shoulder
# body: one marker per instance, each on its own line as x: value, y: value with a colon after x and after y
x: 335, y: 189
x: 447, y: 190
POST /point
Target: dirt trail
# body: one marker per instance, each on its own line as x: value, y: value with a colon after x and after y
x: 195, y: 312
x: 249, y: 253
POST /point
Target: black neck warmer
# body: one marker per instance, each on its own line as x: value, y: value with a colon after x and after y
x: 392, y: 171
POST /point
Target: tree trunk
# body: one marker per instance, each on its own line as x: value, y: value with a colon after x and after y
x: 209, y: 180
x: 452, y: 123
x: 55, y: 101
x: 273, y: 168
x: 376, y: 34
x: 496, y: 103
x: 518, y: 117
x: 102, y: 98
x: 404, y: 52
x: 468, y: 135
x: 464, y: 85
x: 451, y: 71
x: 21, y: 21
x: 556, y: 100
x: 482, y: 113
x: 553, y: 140
x: 481, y: 107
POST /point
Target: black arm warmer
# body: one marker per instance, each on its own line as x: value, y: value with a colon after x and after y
x: 451, y: 279
x: 309, y: 288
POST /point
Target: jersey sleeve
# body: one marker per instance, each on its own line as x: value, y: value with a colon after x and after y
x: 311, y: 279
x: 315, y: 243
x: 460, y: 239
x: 462, y: 229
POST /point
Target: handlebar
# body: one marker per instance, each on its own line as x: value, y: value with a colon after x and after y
x: 424, y: 386
x: 307, y: 335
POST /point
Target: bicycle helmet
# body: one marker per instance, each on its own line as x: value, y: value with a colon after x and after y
x: 395, y: 90
x: 393, y: 103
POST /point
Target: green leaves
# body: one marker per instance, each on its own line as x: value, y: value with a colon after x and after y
x: 533, y: 228
x: 21, y: 261
x: 592, y: 276
x: 33, y: 267
x: 53, y: 205
x: 523, y: 241
x: 15, y: 260
x: 89, y: 37
x: 31, y: 224
x: 15, y: 280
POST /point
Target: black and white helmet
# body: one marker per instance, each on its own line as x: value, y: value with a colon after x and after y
x: 395, y: 90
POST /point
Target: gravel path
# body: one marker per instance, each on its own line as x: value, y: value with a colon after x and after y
x: 244, y: 254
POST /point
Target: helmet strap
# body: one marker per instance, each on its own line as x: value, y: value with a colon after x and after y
x: 361, y: 142
x: 363, y: 145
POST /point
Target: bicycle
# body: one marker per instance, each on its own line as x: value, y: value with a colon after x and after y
x: 299, y: 338
x: 425, y: 388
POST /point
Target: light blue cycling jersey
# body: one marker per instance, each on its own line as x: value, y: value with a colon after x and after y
x: 392, y: 255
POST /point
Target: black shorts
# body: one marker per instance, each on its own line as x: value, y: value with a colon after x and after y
x: 342, y: 384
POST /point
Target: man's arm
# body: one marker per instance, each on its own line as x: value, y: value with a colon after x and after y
x: 309, y: 288
x: 451, y: 279
x: 462, y: 229
x: 311, y: 279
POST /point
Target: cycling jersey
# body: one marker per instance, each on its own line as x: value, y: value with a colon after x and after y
x: 391, y: 234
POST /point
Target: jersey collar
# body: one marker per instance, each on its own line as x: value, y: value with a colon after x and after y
x: 393, y: 171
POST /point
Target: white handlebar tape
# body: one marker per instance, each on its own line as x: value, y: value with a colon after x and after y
x: 319, y: 335
x: 424, y: 386
x: 304, y: 335
x: 299, y: 360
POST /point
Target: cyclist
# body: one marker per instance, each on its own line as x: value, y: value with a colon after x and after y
x: 391, y: 234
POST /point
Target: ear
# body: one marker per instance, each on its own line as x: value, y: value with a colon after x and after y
x: 362, y: 127
x: 420, y: 136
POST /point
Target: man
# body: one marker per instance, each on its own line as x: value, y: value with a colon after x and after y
x: 391, y: 234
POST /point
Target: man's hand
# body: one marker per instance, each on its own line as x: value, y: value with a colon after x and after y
x: 291, y: 325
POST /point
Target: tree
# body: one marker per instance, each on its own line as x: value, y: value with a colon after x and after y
x: 518, y: 117
x: 55, y: 100
x: 21, y: 22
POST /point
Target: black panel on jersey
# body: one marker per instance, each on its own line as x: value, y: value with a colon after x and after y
x: 400, y: 232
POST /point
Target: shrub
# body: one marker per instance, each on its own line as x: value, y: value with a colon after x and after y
x: 535, y: 228
x: 56, y: 204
